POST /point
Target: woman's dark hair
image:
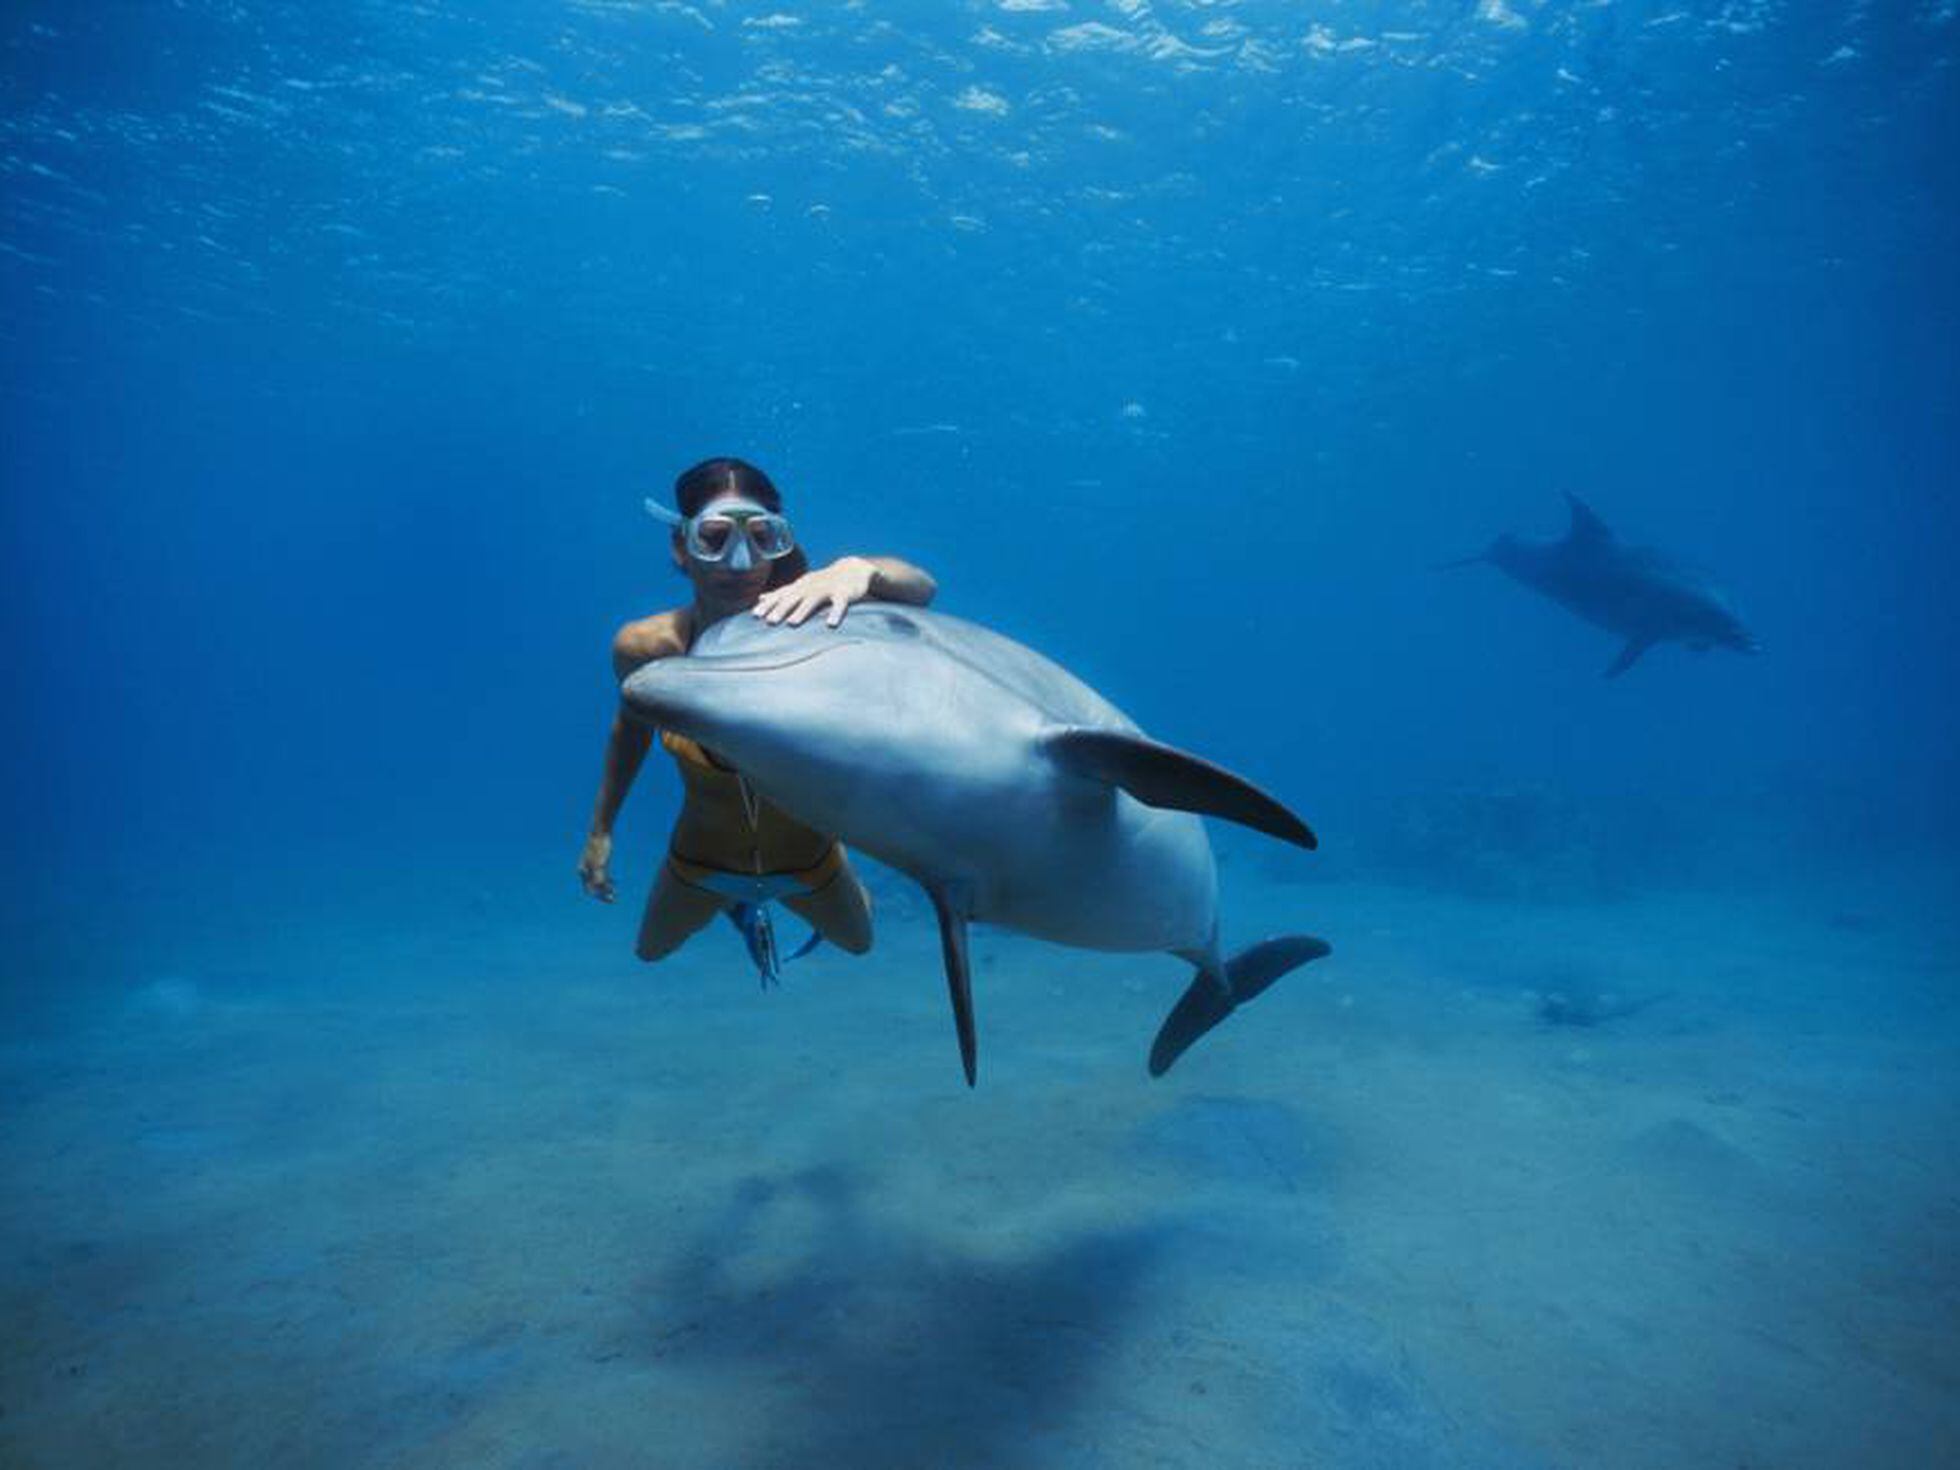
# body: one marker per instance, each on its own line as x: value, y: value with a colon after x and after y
x: 727, y: 476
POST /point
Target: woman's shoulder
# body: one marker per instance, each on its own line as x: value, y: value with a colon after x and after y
x: 664, y: 635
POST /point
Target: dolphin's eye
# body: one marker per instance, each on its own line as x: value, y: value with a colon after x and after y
x: 895, y: 622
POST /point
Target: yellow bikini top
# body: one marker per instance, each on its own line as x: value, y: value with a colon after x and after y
x: 725, y: 824
x: 690, y: 754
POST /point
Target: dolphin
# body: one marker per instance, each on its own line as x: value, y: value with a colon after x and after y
x: 1010, y: 790
x: 1641, y: 594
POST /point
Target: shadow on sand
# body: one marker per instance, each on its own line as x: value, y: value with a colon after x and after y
x: 881, y: 1348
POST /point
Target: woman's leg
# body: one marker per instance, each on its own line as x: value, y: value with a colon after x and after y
x: 840, y: 910
x: 675, y: 909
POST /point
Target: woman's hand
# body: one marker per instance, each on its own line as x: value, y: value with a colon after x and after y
x: 592, y: 864
x: 843, y: 582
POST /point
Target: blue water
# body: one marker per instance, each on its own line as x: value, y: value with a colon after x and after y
x: 1180, y: 339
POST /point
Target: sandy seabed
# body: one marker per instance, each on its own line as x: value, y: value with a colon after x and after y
x: 1670, y: 1181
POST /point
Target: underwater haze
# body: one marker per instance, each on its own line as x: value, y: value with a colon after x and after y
x: 1185, y: 341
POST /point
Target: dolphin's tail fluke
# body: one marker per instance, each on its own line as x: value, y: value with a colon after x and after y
x: 1211, y: 998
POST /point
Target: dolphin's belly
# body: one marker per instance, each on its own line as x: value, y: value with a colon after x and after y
x: 1079, y: 863
x: 1026, y: 846
x: 1605, y: 600
x: 1143, y: 880
x: 1623, y: 595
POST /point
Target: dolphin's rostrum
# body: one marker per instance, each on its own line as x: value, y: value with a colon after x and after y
x: 1010, y: 790
x: 1641, y: 594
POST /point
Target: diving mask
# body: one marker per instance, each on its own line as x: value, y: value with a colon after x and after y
x: 731, y: 531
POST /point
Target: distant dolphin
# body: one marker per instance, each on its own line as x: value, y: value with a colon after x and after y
x: 1638, y: 593
x: 1013, y: 792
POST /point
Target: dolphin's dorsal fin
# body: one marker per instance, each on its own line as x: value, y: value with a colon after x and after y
x: 1159, y: 775
x: 1586, y: 524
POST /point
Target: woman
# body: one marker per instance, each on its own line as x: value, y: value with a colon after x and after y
x: 729, y: 846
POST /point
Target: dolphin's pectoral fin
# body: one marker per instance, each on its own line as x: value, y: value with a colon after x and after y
x: 1211, y: 998
x: 959, y: 979
x: 1629, y: 656
x: 1159, y: 775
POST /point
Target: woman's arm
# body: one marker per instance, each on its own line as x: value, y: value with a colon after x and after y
x: 847, y: 580
x: 626, y: 749
x: 896, y: 580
